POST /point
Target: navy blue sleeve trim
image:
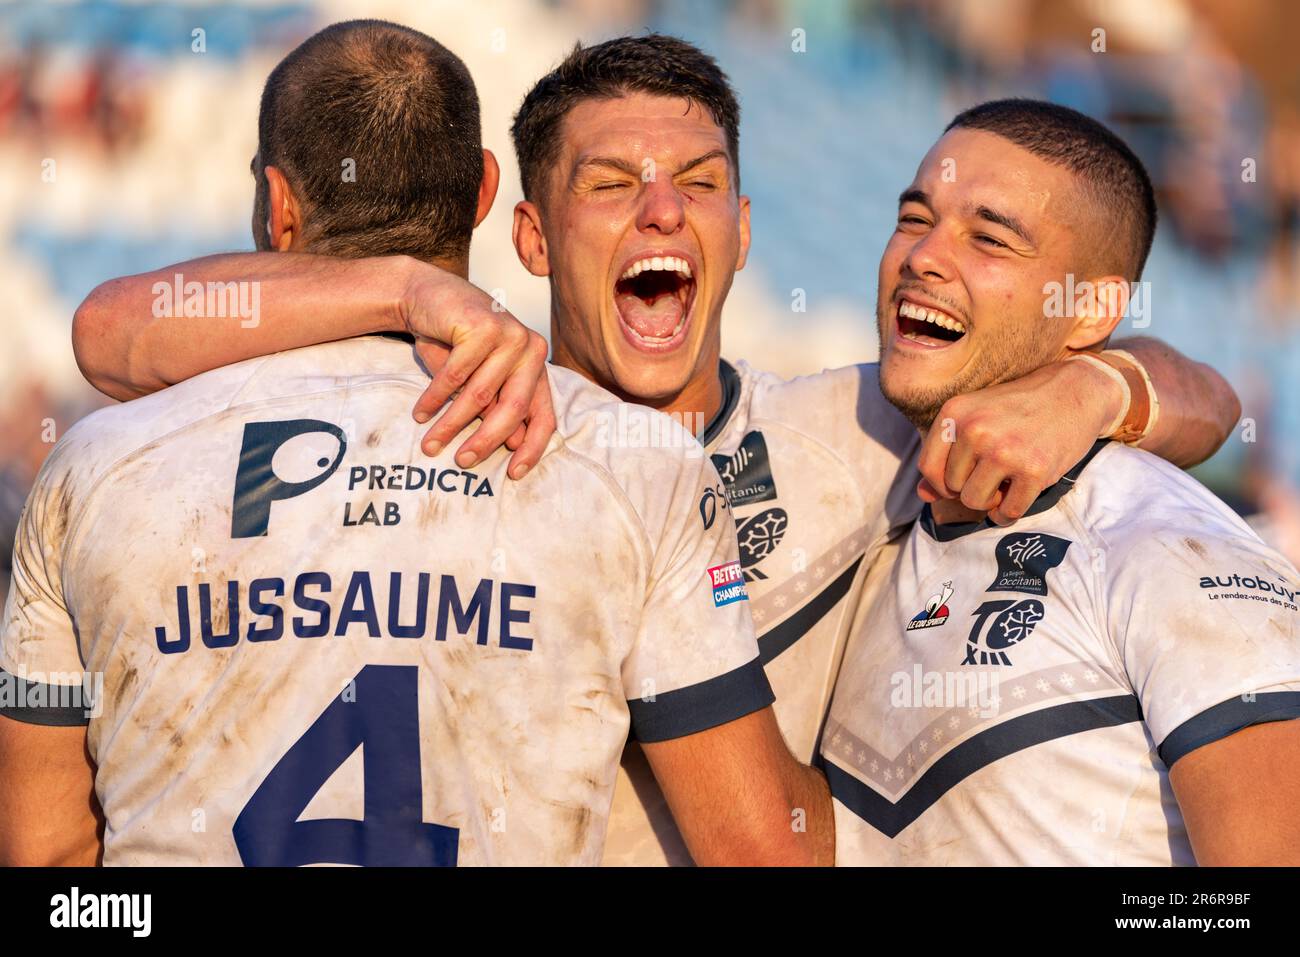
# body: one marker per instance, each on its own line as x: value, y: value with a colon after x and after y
x: 1227, y: 718
x: 16, y: 694
x: 675, y: 714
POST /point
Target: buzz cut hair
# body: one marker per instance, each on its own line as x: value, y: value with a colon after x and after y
x: 1111, y: 173
x: 656, y: 64
x: 403, y: 109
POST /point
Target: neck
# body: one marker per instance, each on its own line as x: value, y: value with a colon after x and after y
x: 458, y: 266
x: 949, y: 511
x: 696, y: 403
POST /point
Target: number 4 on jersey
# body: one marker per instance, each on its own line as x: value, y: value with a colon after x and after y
x: 384, y: 721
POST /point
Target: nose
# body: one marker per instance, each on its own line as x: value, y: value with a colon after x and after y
x: 930, y: 257
x: 661, y: 209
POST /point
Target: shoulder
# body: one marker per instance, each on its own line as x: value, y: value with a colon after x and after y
x: 842, y: 408
x: 650, y: 459
x: 1157, y: 523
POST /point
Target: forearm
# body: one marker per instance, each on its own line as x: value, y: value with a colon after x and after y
x: 1198, y: 408
x: 48, y: 813
x: 132, y: 336
x: 813, y: 794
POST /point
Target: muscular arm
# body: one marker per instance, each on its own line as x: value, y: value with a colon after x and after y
x: 126, y: 347
x: 1240, y: 797
x: 1198, y: 408
x: 740, y: 798
x: 48, y: 813
x: 998, y: 448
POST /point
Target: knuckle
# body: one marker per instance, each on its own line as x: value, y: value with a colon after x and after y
x: 482, y: 396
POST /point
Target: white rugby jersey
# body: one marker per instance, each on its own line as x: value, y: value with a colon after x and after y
x: 1017, y: 695
x: 318, y: 645
x: 820, y: 472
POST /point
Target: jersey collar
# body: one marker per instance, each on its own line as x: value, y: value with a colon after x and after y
x: 730, y: 396
x: 1046, y: 499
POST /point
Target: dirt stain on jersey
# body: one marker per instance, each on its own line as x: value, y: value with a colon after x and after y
x: 1196, y: 547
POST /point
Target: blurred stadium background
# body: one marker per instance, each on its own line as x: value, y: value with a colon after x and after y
x: 125, y: 142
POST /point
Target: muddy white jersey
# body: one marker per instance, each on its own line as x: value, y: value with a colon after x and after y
x: 1018, y: 695
x: 314, y: 644
x: 820, y: 471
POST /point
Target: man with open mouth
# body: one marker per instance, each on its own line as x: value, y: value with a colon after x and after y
x: 1115, y: 679
x: 628, y: 152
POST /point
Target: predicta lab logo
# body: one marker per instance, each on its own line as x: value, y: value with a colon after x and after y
x: 1024, y: 559
x: 936, y: 610
x: 256, y: 484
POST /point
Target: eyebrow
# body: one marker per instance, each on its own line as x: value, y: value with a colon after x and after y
x: 1005, y: 221
x: 700, y: 161
x: 632, y: 169
x: 986, y: 213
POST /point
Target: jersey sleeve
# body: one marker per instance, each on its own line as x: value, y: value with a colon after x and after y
x: 40, y: 662
x: 1207, y: 628
x: 694, y: 664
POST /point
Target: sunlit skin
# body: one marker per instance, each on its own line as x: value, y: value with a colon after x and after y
x: 983, y: 227
x: 598, y: 210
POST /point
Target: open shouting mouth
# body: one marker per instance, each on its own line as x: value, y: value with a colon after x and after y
x: 927, y: 326
x: 653, y: 298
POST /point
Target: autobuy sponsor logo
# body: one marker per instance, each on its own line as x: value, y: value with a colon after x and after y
x: 1255, y: 587
x: 728, y: 583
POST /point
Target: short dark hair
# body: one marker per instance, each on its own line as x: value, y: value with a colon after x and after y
x: 1114, y: 176
x: 656, y: 64
x: 403, y: 108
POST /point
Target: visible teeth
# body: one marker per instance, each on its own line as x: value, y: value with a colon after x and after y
x: 658, y: 264
x: 912, y: 311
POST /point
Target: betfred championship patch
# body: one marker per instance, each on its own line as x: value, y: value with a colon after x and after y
x: 728, y: 583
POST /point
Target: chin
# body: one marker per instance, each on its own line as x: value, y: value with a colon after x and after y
x: 652, y: 386
x: 919, y: 403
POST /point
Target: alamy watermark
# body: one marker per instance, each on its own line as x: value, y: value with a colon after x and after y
x: 636, y: 427
x: 919, y: 688
x: 1070, y: 298
x: 74, y: 690
x: 210, y: 300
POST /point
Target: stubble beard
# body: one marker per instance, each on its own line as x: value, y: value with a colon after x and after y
x: 920, y: 405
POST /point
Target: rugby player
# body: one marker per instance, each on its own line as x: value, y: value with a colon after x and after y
x: 820, y: 470
x: 1113, y: 679
x: 317, y: 645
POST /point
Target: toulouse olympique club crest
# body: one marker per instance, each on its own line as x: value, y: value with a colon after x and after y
x: 936, y: 610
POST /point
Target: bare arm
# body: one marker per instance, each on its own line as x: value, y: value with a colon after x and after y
x: 1198, y: 408
x: 1240, y: 797
x: 998, y: 448
x: 740, y: 798
x: 48, y: 813
x: 132, y: 337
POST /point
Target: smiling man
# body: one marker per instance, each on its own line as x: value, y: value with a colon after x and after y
x: 1128, y: 637
x: 633, y: 210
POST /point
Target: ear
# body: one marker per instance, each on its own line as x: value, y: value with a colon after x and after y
x: 487, y: 189
x: 530, y: 241
x: 284, y: 216
x: 1098, y: 309
x: 744, y: 233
